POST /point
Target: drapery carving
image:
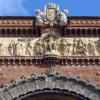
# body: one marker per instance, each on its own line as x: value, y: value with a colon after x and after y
x: 49, y: 44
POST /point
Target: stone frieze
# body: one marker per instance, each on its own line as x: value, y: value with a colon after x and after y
x: 49, y: 45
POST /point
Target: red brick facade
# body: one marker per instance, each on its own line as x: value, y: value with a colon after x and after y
x: 12, y: 68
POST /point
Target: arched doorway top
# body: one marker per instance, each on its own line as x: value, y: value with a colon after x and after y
x: 50, y: 80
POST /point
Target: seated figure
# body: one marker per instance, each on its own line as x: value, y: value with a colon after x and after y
x: 39, y: 16
x: 63, y: 16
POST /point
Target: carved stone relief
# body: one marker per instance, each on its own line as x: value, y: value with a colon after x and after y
x: 51, y: 15
x: 49, y: 44
x: 52, y: 44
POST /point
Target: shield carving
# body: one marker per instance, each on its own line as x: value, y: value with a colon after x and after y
x: 51, y: 14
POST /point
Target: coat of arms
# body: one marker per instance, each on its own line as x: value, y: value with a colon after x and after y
x: 51, y: 14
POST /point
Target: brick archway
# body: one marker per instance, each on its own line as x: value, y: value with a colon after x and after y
x: 51, y: 82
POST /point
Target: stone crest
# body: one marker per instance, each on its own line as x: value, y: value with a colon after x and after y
x: 51, y: 15
x: 51, y: 12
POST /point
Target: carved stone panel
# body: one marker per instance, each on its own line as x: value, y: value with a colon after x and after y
x: 49, y: 44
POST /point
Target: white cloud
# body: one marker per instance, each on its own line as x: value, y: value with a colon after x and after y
x: 12, y: 8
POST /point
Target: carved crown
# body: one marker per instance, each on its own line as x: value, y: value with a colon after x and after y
x: 52, y: 5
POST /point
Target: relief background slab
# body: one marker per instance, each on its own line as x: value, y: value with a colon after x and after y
x: 21, y: 46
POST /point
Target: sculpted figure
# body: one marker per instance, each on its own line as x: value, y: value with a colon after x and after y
x: 20, y: 48
x: 74, y: 47
x: 81, y: 48
x: 28, y: 48
x: 90, y: 48
x: 56, y: 45
x: 39, y: 16
x: 12, y: 48
x: 39, y: 47
x: 63, y: 16
x: 50, y: 44
x: 1, y: 48
x: 97, y: 46
x: 64, y: 47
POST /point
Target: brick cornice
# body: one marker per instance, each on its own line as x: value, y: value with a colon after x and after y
x: 29, y: 20
x: 50, y: 61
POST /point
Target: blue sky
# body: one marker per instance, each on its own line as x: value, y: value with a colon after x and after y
x: 27, y: 7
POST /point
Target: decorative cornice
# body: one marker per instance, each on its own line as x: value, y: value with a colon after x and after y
x: 12, y: 22
x: 17, y: 17
x: 50, y: 61
x: 28, y: 21
x: 84, y: 17
x: 33, y: 17
x: 83, y: 22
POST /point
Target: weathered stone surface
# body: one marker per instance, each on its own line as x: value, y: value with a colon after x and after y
x: 50, y: 80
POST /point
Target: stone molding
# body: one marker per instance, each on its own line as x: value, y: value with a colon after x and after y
x: 49, y: 60
x: 28, y: 21
x: 49, y: 80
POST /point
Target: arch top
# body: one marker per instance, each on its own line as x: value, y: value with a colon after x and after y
x: 50, y: 80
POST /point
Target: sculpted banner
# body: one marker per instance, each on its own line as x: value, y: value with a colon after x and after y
x: 49, y: 44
